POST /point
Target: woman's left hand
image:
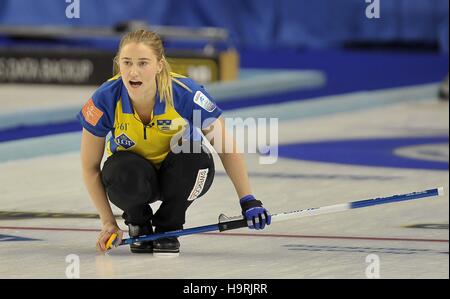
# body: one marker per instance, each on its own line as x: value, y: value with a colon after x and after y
x: 257, y: 216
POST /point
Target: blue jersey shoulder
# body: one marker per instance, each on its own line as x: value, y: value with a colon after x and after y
x: 105, y: 99
x: 190, y: 96
x: 109, y: 93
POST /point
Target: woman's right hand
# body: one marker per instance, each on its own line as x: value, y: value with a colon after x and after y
x: 107, y: 230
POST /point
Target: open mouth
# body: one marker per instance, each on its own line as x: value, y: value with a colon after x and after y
x: 135, y: 84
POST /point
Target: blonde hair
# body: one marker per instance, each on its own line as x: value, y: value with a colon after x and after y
x: 152, y: 40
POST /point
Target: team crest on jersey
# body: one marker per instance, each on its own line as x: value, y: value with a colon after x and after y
x: 164, y: 124
x: 202, y: 100
x: 124, y: 141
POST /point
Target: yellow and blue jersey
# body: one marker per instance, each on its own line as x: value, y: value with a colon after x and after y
x: 110, y: 111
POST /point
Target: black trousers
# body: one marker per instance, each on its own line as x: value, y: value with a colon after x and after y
x: 132, y: 183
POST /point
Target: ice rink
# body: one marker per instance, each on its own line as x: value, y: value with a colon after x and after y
x: 332, y: 150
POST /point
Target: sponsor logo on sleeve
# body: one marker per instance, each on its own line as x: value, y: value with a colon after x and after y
x: 202, y: 100
x: 91, y: 113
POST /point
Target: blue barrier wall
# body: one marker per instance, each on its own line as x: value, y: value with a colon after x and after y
x: 256, y: 23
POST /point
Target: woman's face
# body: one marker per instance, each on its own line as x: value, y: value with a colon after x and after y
x: 139, y: 67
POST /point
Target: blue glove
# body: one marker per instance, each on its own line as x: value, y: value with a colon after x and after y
x: 257, y: 216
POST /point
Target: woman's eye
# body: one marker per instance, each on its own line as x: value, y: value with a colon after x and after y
x: 143, y: 63
x: 127, y: 63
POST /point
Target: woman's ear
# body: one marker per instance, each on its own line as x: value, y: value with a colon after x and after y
x: 160, y: 65
x: 116, y: 66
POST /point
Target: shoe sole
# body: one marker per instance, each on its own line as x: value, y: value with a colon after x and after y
x: 142, y: 251
x: 166, y: 253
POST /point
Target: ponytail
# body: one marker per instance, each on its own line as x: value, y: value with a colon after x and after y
x: 164, y: 83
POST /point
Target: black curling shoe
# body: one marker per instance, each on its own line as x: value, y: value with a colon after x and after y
x: 166, y: 247
x: 137, y: 231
